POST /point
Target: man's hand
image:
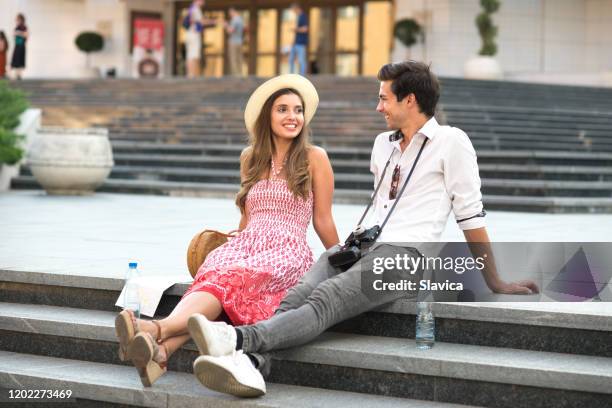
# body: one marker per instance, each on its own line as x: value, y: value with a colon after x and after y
x: 524, y: 287
x: 479, y: 243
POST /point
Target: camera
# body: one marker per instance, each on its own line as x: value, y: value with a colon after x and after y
x: 350, y: 252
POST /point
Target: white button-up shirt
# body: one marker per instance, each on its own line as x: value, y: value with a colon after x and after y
x: 445, y: 177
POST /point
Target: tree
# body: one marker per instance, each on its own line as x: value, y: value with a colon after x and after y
x: 408, y: 31
x: 486, y: 28
x: 89, y: 41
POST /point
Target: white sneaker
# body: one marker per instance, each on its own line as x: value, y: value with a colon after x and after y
x: 212, y: 338
x: 233, y: 374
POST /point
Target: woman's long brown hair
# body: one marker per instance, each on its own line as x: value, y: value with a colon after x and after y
x: 259, y: 155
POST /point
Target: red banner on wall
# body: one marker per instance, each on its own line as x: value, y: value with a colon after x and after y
x: 148, y: 33
x: 148, y: 52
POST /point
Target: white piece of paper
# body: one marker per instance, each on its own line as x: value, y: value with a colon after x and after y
x: 150, y: 291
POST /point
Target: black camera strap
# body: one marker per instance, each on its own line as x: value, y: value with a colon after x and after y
x: 382, y: 177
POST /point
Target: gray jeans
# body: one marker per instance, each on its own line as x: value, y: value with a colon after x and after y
x: 324, y: 297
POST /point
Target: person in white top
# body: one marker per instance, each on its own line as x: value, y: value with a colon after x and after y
x: 195, y: 23
x: 444, y: 178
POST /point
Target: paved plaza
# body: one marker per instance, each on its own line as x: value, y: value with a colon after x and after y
x: 100, y: 234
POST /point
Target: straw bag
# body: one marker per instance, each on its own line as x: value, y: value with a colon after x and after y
x: 202, y: 244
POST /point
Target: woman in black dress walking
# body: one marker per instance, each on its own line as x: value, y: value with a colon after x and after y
x: 19, y: 51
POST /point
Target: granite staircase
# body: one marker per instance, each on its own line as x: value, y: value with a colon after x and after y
x: 540, y: 148
x: 56, y: 332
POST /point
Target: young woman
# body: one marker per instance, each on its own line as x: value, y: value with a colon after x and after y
x: 3, y: 50
x: 19, y: 50
x: 285, y: 182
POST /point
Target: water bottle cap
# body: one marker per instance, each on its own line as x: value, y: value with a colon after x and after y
x: 133, y: 264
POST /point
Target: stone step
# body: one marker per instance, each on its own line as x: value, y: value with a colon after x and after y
x: 219, y: 149
x: 182, y: 188
x: 545, y: 110
x: 506, y: 171
x: 233, y: 119
x: 513, y: 92
x: 373, y: 365
x: 540, y: 125
x: 232, y: 116
x: 573, y: 158
x: 557, y: 327
x: 340, y: 142
x: 365, y: 138
x: 480, y: 141
x: 476, y: 374
x: 547, y: 188
x: 119, y: 386
x: 344, y: 181
x: 191, y: 189
x: 543, y: 113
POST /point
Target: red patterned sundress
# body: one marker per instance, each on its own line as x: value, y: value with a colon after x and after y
x: 251, y: 273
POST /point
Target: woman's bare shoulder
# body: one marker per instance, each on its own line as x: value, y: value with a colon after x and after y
x: 317, y: 154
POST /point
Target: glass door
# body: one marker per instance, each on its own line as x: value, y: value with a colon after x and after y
x: 287, y: 35
x: 376, y: 42
x: 347, y: 41
x: 246, y: 41
x: 213, y: 43
x: 180, y: 50
x: 321, y: 49
x: 265, y: 60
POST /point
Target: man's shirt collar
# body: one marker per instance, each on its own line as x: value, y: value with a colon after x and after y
x: 429, y: 130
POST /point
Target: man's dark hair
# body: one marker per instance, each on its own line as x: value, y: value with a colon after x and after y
x: 413, y: 77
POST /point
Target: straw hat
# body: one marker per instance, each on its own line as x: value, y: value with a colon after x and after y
x: 304, y: 87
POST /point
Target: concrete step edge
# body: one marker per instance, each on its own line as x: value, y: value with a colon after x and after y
x: 451, y: 360
x: 471, y: 362
x: 121, y: 385
x: 586, y: 316
x: 340, y: 195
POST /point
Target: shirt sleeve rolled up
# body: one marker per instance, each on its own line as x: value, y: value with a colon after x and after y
x: 463, y: 182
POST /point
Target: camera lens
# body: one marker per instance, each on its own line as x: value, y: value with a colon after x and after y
x: 358, y: 230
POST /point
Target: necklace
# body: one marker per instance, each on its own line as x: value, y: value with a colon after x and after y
x: 275, y: 171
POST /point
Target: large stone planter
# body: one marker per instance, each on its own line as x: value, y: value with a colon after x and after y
x: 6, y: 174
x: 70, y: 161
x: 483, y: 67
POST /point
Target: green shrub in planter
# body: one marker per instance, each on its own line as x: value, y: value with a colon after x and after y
x: 408, y: 31
x: 10, y: 152
x: 89, y: 41
x: 486, y: 28
x: 12, y: 104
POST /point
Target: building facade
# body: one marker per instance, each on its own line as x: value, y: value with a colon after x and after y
x: 564, y: 41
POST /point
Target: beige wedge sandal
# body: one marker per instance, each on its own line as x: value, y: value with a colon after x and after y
x: 125, y: 329
x: 143, y: 350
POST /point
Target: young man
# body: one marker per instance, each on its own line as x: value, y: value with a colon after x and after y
x: 445, y: 178
x: 301, y: 40
x: 235, y: 29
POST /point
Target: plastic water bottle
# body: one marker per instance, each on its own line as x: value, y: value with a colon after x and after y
x: 425, y: 326
x: 132, y: 291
